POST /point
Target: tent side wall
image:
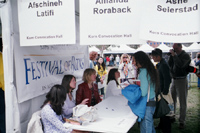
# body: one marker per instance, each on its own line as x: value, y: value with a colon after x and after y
x: 12, y: 112
x: 19, y: 114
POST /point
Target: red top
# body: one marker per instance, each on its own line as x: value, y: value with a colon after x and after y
x: 107, y: 59
x: 84, y: 92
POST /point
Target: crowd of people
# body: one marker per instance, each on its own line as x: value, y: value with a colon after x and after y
x: 163, y: 77
x: 166, y: 76
x: 160, y: 78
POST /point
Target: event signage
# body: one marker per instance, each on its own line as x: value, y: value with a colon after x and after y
x: 39, y: 68
x: 109, y: 22
x: 47, y: 22
x: 170, y: 20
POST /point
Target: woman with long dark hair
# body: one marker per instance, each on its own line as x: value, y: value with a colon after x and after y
x: 101, y: 71
x: 69, y: 83
x: 148, y: 76
x: 112, y: 83
x: 51, y: 113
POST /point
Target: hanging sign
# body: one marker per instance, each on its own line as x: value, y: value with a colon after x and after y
x: 109, y: 22
x: 47, y: 22
x: 170, y: 20
x: 38, y: 68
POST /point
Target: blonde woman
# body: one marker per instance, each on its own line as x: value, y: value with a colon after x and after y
x: 88, y: 89
x: 125, y: 68
x: 93, y: 55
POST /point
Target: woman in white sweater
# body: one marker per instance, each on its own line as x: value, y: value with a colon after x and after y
x: 112, y: 83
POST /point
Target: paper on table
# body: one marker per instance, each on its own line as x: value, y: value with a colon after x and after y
x: 114, y: 116
x: 124, y: 84
x: 133, y: 80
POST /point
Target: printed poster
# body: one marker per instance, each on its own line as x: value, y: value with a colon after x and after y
x: 170, y: 20
x: 105, y: 22
x: 47, y: 22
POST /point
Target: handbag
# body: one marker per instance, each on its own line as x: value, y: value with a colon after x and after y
x: 84, y: 114
x: 162, y: 107
x: 169, y: 99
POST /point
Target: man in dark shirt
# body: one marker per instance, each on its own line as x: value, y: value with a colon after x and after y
x: 165, y: 80
x: 178, y: 62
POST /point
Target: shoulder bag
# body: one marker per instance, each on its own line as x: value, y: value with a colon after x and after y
x: 162, y: 107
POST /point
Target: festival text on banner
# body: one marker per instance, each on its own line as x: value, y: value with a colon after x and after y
x: 38, y: 68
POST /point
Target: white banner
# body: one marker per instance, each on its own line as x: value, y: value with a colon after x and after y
x: 109, y: 22
x: 170, y: 20
x: 39, y: 68
x: 46, y: 22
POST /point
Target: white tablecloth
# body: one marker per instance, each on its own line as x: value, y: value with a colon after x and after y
x: 115, y: 116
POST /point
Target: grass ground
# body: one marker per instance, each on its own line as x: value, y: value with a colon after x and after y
x: 192, y: 118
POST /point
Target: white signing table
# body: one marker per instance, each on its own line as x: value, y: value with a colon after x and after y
x: 115, y: 116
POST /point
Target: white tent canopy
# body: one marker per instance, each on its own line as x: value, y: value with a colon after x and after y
x: 109, y: 48
x: 119, y: 49
x: 185, y: 48
x: 164, y: 48
x: 195, y: 47
x: 94, y: 48
x: 145, y: 48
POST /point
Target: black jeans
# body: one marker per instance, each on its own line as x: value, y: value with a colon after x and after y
x: 165, y: 124
x: 101, y: 91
